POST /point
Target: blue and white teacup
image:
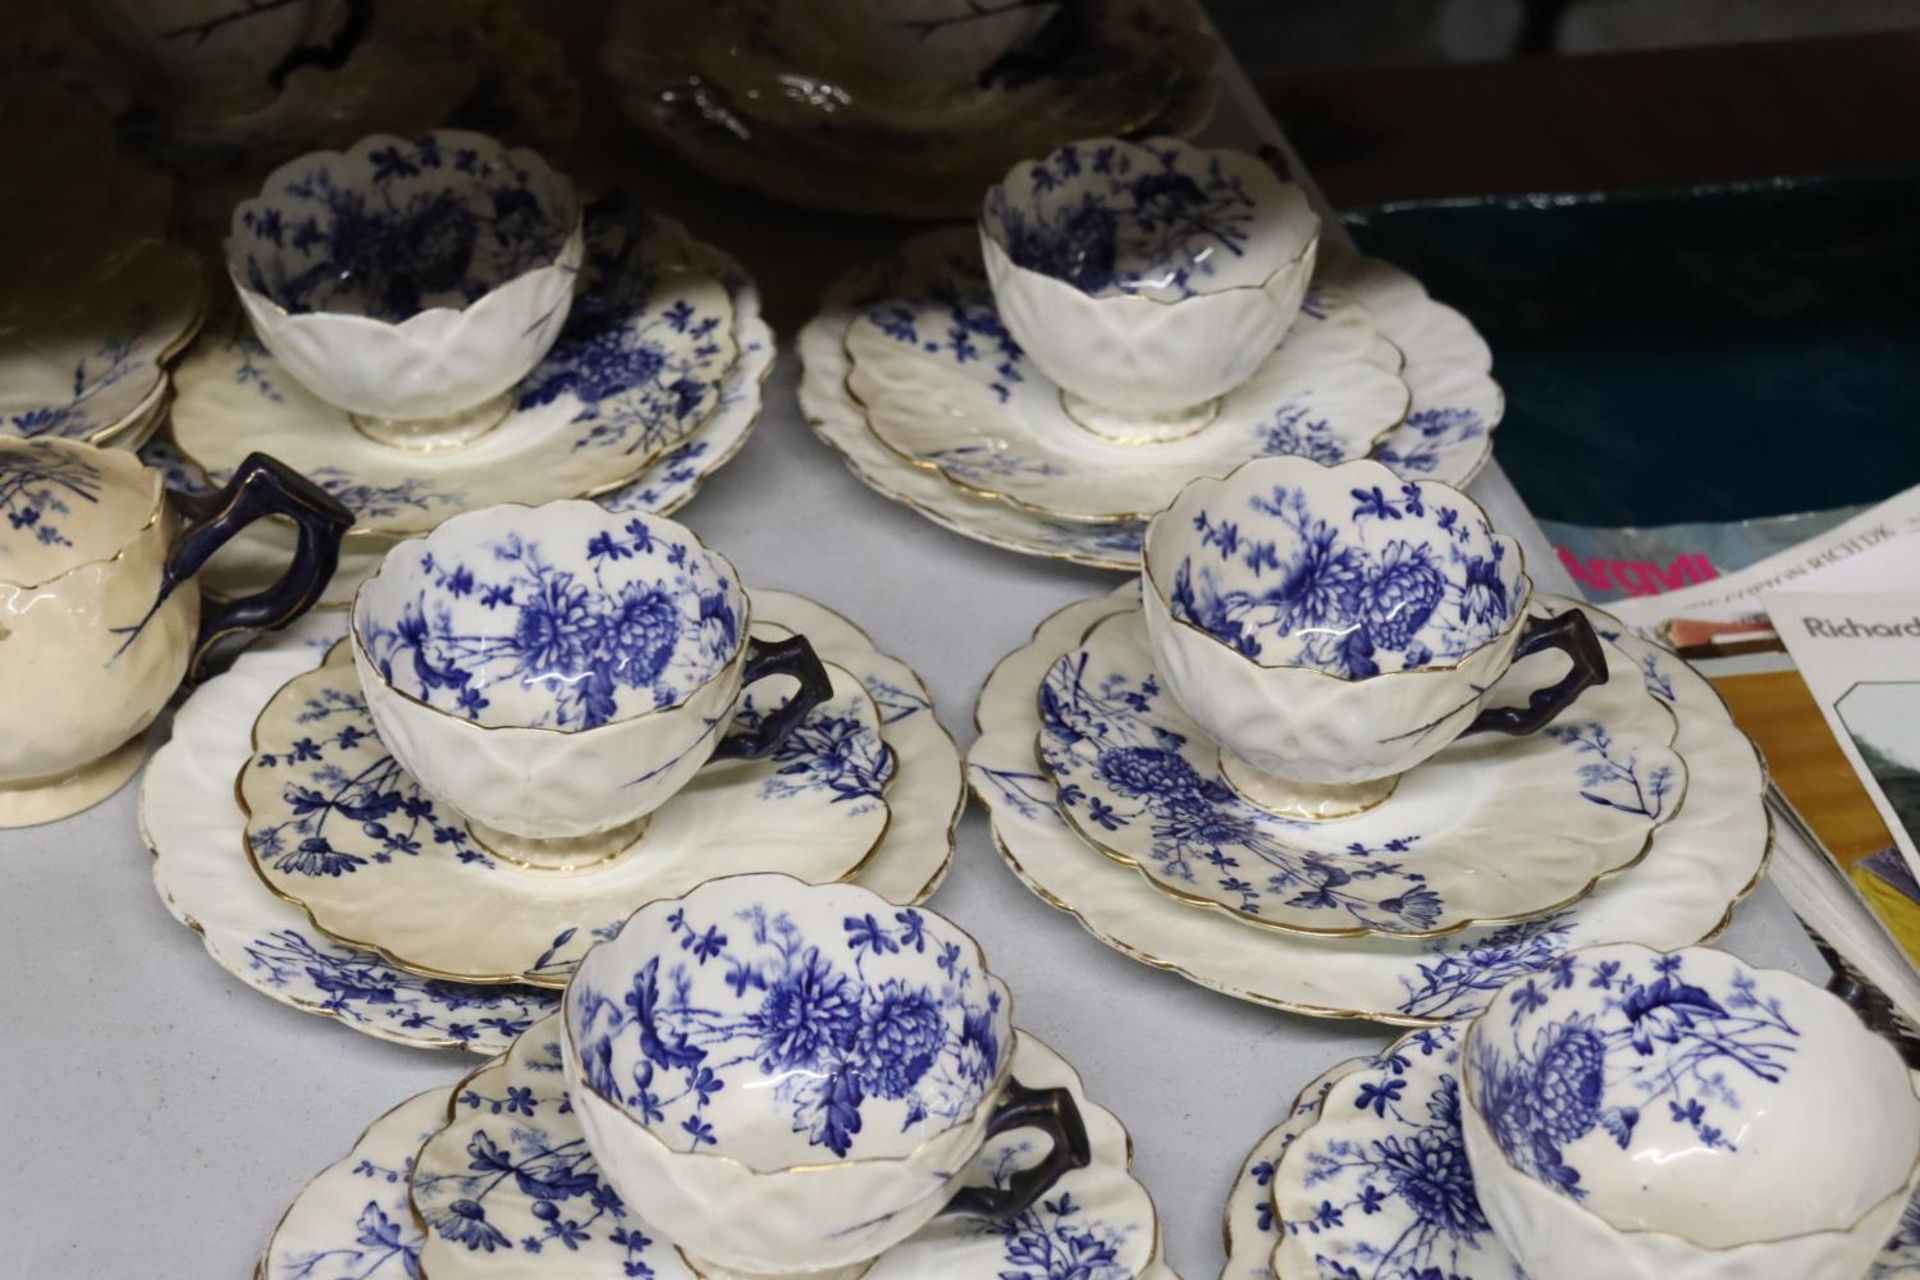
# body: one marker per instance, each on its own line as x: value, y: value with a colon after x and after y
x: 1332, y: 627
x: 1634, y: 1113
x: 1147, y: 279
x: 204, y: 59
x: 410, y: 281
x: 790, y: 1079
x: 100, y: 612
x: 556, y: 673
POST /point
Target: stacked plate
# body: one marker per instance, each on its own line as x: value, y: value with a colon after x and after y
x: 852, y: 108
x: 1368, y: 1173
x: 413, y: 1196
x: 318, y: 871
x: 931, y: 373
x: 1635, y: 816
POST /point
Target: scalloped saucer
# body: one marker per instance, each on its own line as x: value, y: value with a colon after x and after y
x: 1146, y: 68
x: 86, y: 358
x: 195, y: 828
x: 395, y: 1203
x: 1700, y: 864
x: 637, y: 369
x: 1446, y: 433
x: 947, y: 388
x: 1490, y: 830
x: 254, y: 559
x: 1369, y: 1171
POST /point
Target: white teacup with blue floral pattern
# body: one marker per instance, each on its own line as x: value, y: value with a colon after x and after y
x: 555, y: 673
x: 1633, y: 1114
x: 1147, y: 279
x: 789, y: 1078
x: 1332, y: 627
x: 410, y: 281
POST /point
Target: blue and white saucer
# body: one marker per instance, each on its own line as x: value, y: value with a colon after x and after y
x: 1702, y: 862
x: 1446, y: 433
x: 1368, y: 1176
x: 1493, y: 828
x: 84, y: 354
x: 638, y: 368
x: 504, y: 1185
x: 336, y: 825
x: 194, y: 826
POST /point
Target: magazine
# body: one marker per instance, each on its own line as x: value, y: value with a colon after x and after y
x: 1860, y: 656
x: 1816, y: 790
x: 1613, y: 563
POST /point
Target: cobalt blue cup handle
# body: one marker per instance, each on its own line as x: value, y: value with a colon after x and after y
x: 794, y: 657
x: 334, y: 52
x: 1572, y: 634
x: 1054, y: 1112
x: 261, y: 487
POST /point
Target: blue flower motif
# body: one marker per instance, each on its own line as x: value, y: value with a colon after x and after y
x: 902, y: 1032
x: 808, y: 1011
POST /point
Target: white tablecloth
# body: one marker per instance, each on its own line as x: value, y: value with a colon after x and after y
x: 156, y: 1115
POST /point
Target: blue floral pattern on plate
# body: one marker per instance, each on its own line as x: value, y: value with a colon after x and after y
x: 353, y: 1221
x: 397, y: 226
x: 638, y: 370
x: 514, y: 631
x: 1379, y: 1186
x: 1703, y: 860
x: 841, y: 1028
x: 508, y: 1186
x: 1140, y: 781
x: 336, y: 825
x: 1359, y: 583
x: 1125, y: 218
x: 1250, y: 1225
x: 1664, y: 1037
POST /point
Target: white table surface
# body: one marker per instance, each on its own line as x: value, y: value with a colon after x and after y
x: 156, y: 1115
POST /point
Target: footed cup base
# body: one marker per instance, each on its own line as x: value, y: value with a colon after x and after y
x: 431, y: 435
x: 563, y: 854
x: 714, y: 1271
x: 1307, y: 801
x: 29, y: 804
x: 1122, y: 426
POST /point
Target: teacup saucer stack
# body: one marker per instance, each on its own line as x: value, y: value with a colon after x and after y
x: 759, y: 1078
x: 1633, y: 1113
x: 437, y: 324
x: 1335, y: 754
x: 540, y: 718
x: 1124, y: 317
